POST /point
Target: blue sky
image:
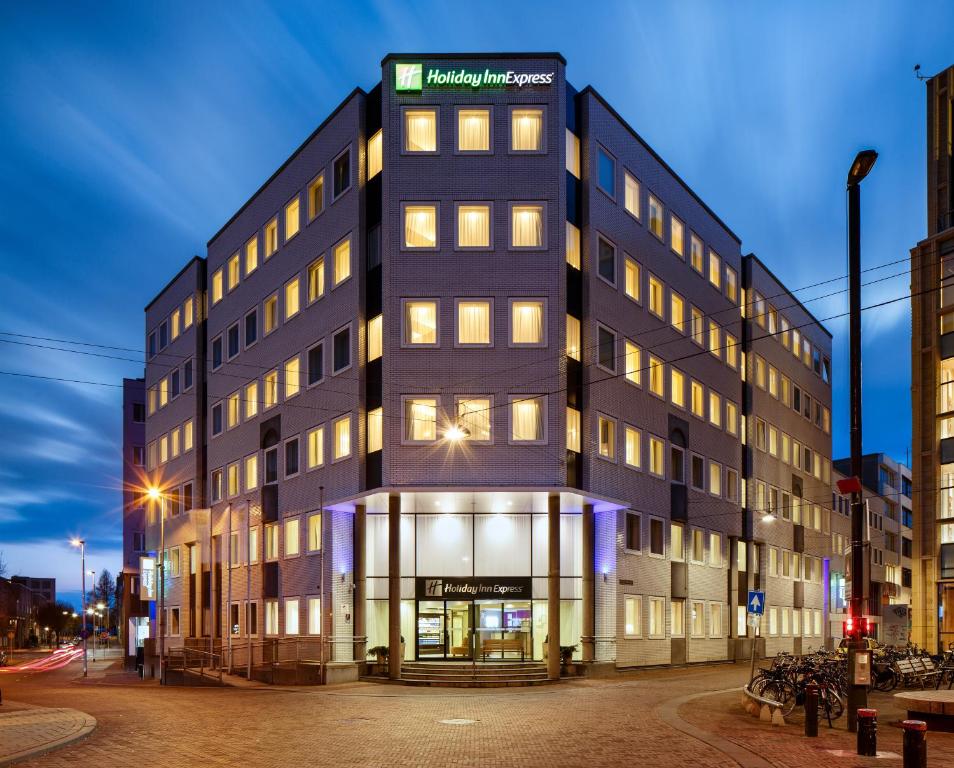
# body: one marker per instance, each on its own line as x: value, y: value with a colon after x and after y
x: 130, y: 133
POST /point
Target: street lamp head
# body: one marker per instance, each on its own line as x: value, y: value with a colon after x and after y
x: 768, y: 517
x: 457, y: 432
x: 76, y: 542
x: 863, y: 163
x: 100, y: 606
x: 89, y: 611
x: 153, y: 493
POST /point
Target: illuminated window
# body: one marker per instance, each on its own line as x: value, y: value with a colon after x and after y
x: 292, y: 298
x: 698, y: 327
x: 715, y: 340
x: 420, y: 419
x: 676, y: 235
x: 271, y: 238
x: 697, y: 399
x: 473, y: 322
x: 631, y: 194
x: 677, y: 312
x: 420, y: 226
x: 715, y: 409
x: 315, y: 447
x: 232, y: 410
x: 715, y: 479
x: 342, y: 435
x: 473, y: 130
x: 292, y: 611
x: 218, y: 289
x: 316, y: 197
x: 731, y: 284
x: 631, y: 359
x: 633, y: 447
x: 163, y: 391
x: 188, y: 313
x: 572, y: 246
x: 526, y: 226
x: 174, y: 323
x: 573, y: 153
x: 420, y: 322
x: 232, y: 479
x: 657, y: 622
x: 474, y: 414
x: 292, y: 219
x: 526, y: 420
x: 573, y: 429
x: 607, y: 435
x: 375, y: 430
x: 375, y: 154
x: 175, y: 441
x: 633, y: 615
x: 271, y: 389
x: 526, y: 323
x: 251, y: 256
x: 271, y: 314
x: 655, y: 217
x: 251, y: 472
x: 375, y: 337
x: 271, y: 550
x: 187, y: 436
x: 656, y: 297
x: 342, y: 261
x: 292, y: 377
x: 657, y: 461
x: 656, y: 376
x: 251, y: 399
x: 420, y: 130
x: 731, y: 351
x: 572, y: 337
x: 473, y: 226
x: 526, y: 130
x: 314, y: 532
x: 163, y: 449
x: 632, y: 284
x: 715, y: 269
x: 677, y: 388
x: 696, y: 254
x: 316, y: 279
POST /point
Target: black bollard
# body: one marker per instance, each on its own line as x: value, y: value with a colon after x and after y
x: 868, y: 732
x: 811, y: 709
x: 915, y: 744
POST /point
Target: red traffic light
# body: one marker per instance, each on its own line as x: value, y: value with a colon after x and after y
x: 856, y: 628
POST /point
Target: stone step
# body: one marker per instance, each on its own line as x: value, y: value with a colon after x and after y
x: 408, y: 675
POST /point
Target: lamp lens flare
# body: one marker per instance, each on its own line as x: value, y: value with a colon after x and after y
x: 457, y: 432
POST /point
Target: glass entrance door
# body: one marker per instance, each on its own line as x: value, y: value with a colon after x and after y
x: 458, y: 622
x: 504, y: 630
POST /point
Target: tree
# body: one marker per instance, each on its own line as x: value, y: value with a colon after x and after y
x: 104, y: 591
x: 57, y: 616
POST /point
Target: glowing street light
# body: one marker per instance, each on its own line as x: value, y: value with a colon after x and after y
x: 81, y: 543
x: 456, y: 432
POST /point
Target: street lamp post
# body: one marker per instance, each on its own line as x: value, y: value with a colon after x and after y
x: 104, y: 607
x: 860, y: 167
x: 81, y: 543
x: 156, y: 495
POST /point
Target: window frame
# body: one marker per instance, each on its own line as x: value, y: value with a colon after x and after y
x: 490, y: 138
x: 405, y: 440
x: 611, y: 194
x: 613, y: 423
x: 544, y: 217
x: 489, y: 205
x: 470, y: 345
x: 405, y: 248
x: 544, y: 332
x: 543, y: 129
x: 599, y: 347
x: 637, y: 214
x: 405, y: 344
x: 544, y: 413
x: 334, y: 334
x: 471, y: 440
x: 345, y: 151
x: 405, y: 108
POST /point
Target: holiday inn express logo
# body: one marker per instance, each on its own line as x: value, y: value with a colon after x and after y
x: 413, y: 78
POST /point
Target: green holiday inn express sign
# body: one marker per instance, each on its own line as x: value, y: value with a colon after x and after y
x: 414, y: 78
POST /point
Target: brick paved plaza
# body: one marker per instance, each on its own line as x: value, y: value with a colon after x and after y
x: 660, y: 717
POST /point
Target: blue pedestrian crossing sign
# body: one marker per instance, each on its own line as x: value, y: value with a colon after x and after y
x: 756, y: 602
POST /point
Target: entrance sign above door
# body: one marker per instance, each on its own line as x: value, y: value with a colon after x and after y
x: 475, y: 588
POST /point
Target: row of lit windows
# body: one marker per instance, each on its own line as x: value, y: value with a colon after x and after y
x: 181, y: 319
x: 701, y: 613
x: 169, y: 387
x: 244, y: 475
x: 177, y: 441
x: 171, y: 627
x: 267, y: 241
x: 794, y: 565
x: 788, y: 450
x: 281, y: 383
x: 768, y: 500
x: 474, y: 322
x: 794, y: 622
x: 472, y: 226
x: 422, y: 419
x: 721, y: 276
x: 652, y: 541
x: 769, y: 318
x: 779, y: 386
x: 474, y: 134
x: 683, y: 317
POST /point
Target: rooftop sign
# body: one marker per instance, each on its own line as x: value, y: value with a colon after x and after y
x: 413, y: 78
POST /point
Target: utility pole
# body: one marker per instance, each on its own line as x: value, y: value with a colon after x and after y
x: 857, y: 694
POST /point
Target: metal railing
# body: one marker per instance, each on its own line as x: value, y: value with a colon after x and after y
x: 195, y: 661
x: 285, y: 661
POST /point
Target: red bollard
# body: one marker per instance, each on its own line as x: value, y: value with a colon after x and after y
x: 868, y: 732
x: 915, y: 744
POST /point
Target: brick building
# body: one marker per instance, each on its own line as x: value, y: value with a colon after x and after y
x: 475, y: 369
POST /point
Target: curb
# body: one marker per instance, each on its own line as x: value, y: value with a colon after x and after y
x: 669, y: 711
x: 88, y: 725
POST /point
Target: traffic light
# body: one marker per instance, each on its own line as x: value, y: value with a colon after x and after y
x: 856, y: 628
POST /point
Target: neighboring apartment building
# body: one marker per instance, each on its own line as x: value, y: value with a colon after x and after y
x: 43, y: 587
x: 932, y: 381
x: 20, y: 605
x: 133, y: 611
x: 886, y: 492
x: 470, y: 365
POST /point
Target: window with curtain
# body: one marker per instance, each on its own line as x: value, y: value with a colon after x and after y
x: 342, y: 434
x: 234, y: 275
x: 657, y: 461
x: 656, y: 375
x: 375, y: 154
x: 420, y: 322
x: 316, y: 447
x: 271, y: 388
x: 375, y: 337
x: 292, y: 377
x: 698, y: 404
x: 473, y: 130
x: 715, y: 269
x: 342, y: 261
x: 375, y: 430
x: 607, y: 433
x: 573, y: 429
x: 251, y: 255
x: 292, y: 219
x: 573, y: 337
x: 633, y: 615
x: 420, y: 419
x: 678, y: 618
x: 473, y: 226
x: 526, y: 130
x: 677, y: 312
x: 677, y: 388
x: 572, y: 246
x: 632, y: 279
x: 696, y: 257
x: 526, y: 322
x: 474, y: 414
x: 420, y: 226
x: 271, y: 237
x: 526, y: 419
x: 526, y: 226
x: 655, y: 217
x: 420, y: 130
x: 473, y: 322
x: 631, y: 361
x: 573, y: 153
x: 292, y: 537
x: 633, y: 447
x: 656, y: 297
x: 292, y: 298
x: 676, y: 236
x: 631, y: 194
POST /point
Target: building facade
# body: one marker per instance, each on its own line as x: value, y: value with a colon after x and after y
x: 22, y: 598
x: 134, y: 613
x: 886, y: 492
x: 932, y: 382
x: 475, y: 369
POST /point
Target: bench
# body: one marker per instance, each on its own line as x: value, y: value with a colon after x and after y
x: 917, y: 669
x: 493, y: 645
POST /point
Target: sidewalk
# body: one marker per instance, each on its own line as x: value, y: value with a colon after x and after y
x: 27, y: 731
